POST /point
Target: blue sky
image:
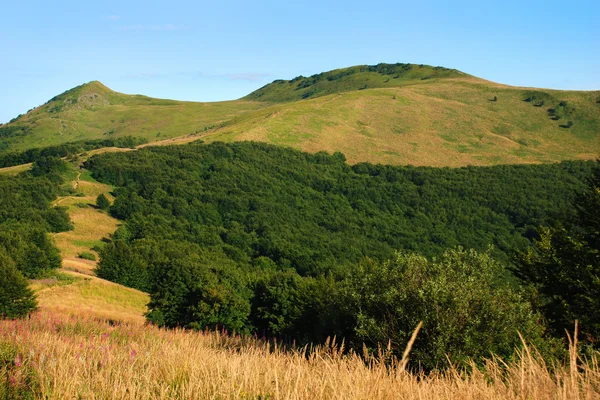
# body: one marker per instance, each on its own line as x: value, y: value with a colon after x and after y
x: 208, y: 51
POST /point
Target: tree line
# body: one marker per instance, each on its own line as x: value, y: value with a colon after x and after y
x: 9, y: 159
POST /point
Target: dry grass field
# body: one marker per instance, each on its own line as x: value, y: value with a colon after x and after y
x: 76, y: 355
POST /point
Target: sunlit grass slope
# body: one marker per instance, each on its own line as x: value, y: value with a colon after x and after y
x: 342, y: 80
x: 93, y: 111
x: 387, y: 113
x: 453, y: 121
x: 75, y: 289
x: 58, y: 355
x: 91, y: 225
x: 72, y: 293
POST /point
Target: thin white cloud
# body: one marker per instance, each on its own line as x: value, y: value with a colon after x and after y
x: 114, y: 17
x: 143, y: 75
x: 140, y: 27
x: 130, y: 28
x: 242, y: 76
x: 247, y: 76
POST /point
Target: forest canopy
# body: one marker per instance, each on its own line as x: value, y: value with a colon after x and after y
x: 255, y: 238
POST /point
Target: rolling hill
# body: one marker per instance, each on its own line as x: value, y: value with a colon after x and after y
x: 93, y: 111
x: 387, y: 113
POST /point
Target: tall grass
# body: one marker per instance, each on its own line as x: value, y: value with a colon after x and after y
x: 74, y: 356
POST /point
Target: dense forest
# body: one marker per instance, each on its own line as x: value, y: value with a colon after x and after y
x: 255, y: 238
x: 26, y: 250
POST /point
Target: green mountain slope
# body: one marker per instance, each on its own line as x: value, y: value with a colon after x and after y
x: 451, y: 121
x: 388, y: 113
x: 93, y: 111
x: 349, y: 79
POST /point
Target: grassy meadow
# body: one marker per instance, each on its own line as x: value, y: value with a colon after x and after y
x: 420, y: 116
x: 91, y: 225
x: 442, y: 122
x: 75, y: 354
x: 93, y: 111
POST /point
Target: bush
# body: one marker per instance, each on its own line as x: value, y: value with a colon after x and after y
x: 466, y: 305
x: 195, y: 289
x: 86, y: 255
x: 16, y: 299
x: 102, y: 202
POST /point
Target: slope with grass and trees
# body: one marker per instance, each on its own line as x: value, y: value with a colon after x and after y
x: 388, y: 113
x: 256, y: 238
x: 230, y: 242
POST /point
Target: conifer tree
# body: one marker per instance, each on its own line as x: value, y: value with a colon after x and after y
x: 16, y: 299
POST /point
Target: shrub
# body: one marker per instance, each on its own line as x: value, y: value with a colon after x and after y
x: 102, y: 202
x: 86, y: 255
x: 467, y: 307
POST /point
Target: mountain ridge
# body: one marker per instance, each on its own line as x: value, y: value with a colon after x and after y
x: 388, y: 113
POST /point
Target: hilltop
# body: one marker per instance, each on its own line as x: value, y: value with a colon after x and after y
x: 343, y: 80
x: 93, y: 111
x: 385, y: 113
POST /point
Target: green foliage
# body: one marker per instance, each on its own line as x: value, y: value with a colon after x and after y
x: 307, y: 310
x: 256, y: 238
x: 30, y: 248
x: 565, y: 266
x: 315, y: 213
x: 197, y: 289
x: 9, y: 159
x: 126, y: 264
x: 86, y: 255
x: 57, y: 219
x: 16, y: 299
x: 48, y: 165
x: 7, y: 131
x: 102, y: 201
x: 26, y: 217
x: 467, y: 307
x: 347, y: 79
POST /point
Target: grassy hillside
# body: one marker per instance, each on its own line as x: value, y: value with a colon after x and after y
x: 75, y: 289
x: 343, y: 80
x: 386, y: 113
x: 93, y: 111
x: 438, y: 122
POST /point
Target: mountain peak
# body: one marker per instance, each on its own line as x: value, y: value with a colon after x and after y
x: 93, y: 93
x: 358, y: 77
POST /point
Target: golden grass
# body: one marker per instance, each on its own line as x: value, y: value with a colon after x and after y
x: 76, y: 355
x: 443, y: 123
x: 17, y: 169
x: 92, y: 296
x: 123, y: 115
x: 90, y: 224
